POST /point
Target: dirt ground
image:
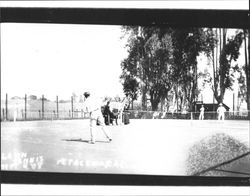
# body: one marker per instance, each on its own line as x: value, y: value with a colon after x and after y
x: 155, y: 146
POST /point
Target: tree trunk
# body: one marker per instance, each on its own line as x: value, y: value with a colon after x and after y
x: 144, y: 98
x: 162, y: 104
x: 215, y: 65
x: 154, y: 100
x: 177, y: 98
x: 247, y: 64
x: 220, y: 98
x: 155, y: 104
x: 195, y: 86
x: 219, y: 73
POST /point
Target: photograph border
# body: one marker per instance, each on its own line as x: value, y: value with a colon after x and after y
x: 144, y: 17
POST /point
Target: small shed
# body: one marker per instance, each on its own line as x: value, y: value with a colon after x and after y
x: 209, y: 107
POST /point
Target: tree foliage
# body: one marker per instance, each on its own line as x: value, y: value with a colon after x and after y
x: 130, y: 87
x: 164, y: 60
x: 188, y: 43
x: 227, y: 53
x: 242, y: 91
x: 150, y: 53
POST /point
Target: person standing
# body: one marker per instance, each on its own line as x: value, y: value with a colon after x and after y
x: 125, y: 114
x: 93, y: 108
x: 201, y: 117
x: 108, y: 115
x: 15, y: 115
x: 221, y: 112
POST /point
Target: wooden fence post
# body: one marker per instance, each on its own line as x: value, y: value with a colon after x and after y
x: 6, y: 107
x: 72, y: 106
x: 3, y: 118
x: 233, y: 104
x: 42, y: 106
x: 25, y: 107
x: 57, y: 107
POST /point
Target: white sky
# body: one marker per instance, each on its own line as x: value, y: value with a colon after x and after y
x: 57, y: 59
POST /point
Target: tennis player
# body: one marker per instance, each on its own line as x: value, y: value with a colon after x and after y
x: 201, y: 117
x: 93, y: 108
x: 221, y: 112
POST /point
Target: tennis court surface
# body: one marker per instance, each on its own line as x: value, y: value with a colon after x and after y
x: 145, y: 146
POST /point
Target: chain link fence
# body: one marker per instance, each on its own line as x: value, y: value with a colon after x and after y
x: 31, y: 108
x: 236, y: 115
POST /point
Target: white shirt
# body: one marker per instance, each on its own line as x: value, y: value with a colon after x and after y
x: 93, y: 106
x: 202, y: 109
x: 221, y: 110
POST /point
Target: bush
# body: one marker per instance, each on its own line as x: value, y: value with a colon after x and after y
x: 214, y: 150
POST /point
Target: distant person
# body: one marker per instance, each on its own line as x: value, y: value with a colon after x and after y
x: 108, y: 115
x: 155, y: 115
x: 221, y: 112
x: 121, y: 110
x: 125, y: 114
x: 201, y: 117
x: 115, y: 115
x: 93, y: 107
x: 15, y: 115
x: 126, y: 107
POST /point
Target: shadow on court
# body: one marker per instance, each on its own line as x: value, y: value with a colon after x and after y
x: 84, y: 141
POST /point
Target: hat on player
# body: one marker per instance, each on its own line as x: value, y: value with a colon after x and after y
x: 86, y: 94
